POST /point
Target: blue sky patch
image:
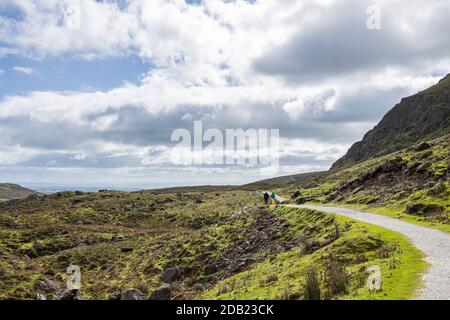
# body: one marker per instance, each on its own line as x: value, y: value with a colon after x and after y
x: 59, y: 74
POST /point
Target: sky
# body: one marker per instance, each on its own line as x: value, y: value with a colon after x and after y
x: 91, y: 91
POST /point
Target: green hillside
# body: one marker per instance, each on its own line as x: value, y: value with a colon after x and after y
x: 10, y: 191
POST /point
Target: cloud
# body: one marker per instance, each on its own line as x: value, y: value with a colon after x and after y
x: 24, y: 70
x: 2, y: 71
x: 310, y: 68
x: 333, y: 40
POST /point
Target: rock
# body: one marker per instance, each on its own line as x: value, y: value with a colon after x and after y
x: 211, y: 268
x: 309, y: 246
x: 330, y: 197
x: 162, y: 293
x: 422, y: 167
x: 126, y: 249
x: 68, y: 294
x: 296, y: 195
x: 40, y: 296
x: 114, y: 296
x: 167, y: 200
x: 392, y: 165
x: 423, y: 209
x: 132, y: 295
x: 47, y: 286
x: 198, y: 200
x: 172, y: 274
x: 300, y: 200
x: 421, y: 146
x: 438, y: 190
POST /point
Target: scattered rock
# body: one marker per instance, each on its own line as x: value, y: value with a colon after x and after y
x: 126, y: 249
x: 421, y: 146
x: 392, y: 165
x: 47, y: 286
x: 132, y: 295
x: 296, y: 195
x: 40, y: 296
x: 162, y: 293
x: 115, y: 295
x: 424, y: 209
x: 172, y: 274
x: 422, y: 167
x: 310, y: 246
x: 68, y: 294
x: 211, y: 268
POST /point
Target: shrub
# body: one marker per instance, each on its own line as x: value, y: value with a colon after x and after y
x: 312, y: 285
x: 335, y: 277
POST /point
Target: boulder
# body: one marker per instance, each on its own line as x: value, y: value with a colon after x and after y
x: 162, y: 293
x: 211, y: 268
x: 423, y: 209
x: 115, y: 295
x: 421, y: 146
x: 132, y: 295
x: 172, y: 274
x: 68, y: 294
x: 296, y: 195
x: 47, y: 286
x: 392, y: 165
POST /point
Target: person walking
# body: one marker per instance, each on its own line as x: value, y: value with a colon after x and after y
x: 273, y: 196
x: 266, y: 198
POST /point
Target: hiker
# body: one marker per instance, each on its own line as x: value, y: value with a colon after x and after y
x: 266, y: 198
x: 273, y: 197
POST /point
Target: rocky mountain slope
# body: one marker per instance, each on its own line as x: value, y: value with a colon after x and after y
x: 10, y: 191
x: 425, y: 115
x: 411, y: 184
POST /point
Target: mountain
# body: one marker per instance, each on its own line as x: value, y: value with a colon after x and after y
x: 10, y: 191
x: 306, y: 180
x: 423, y: 116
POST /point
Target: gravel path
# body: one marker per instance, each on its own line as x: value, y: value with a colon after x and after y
x: 433, y: 243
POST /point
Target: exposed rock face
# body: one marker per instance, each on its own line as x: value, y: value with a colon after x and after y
x: 423, y: 116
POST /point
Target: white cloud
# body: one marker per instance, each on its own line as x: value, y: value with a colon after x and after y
x: 2, y: 71
x: 24, y: 70
x: 203, y: 67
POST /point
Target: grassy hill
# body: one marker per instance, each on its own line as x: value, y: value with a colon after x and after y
x: 10, y: 191
x: 195, y: 245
